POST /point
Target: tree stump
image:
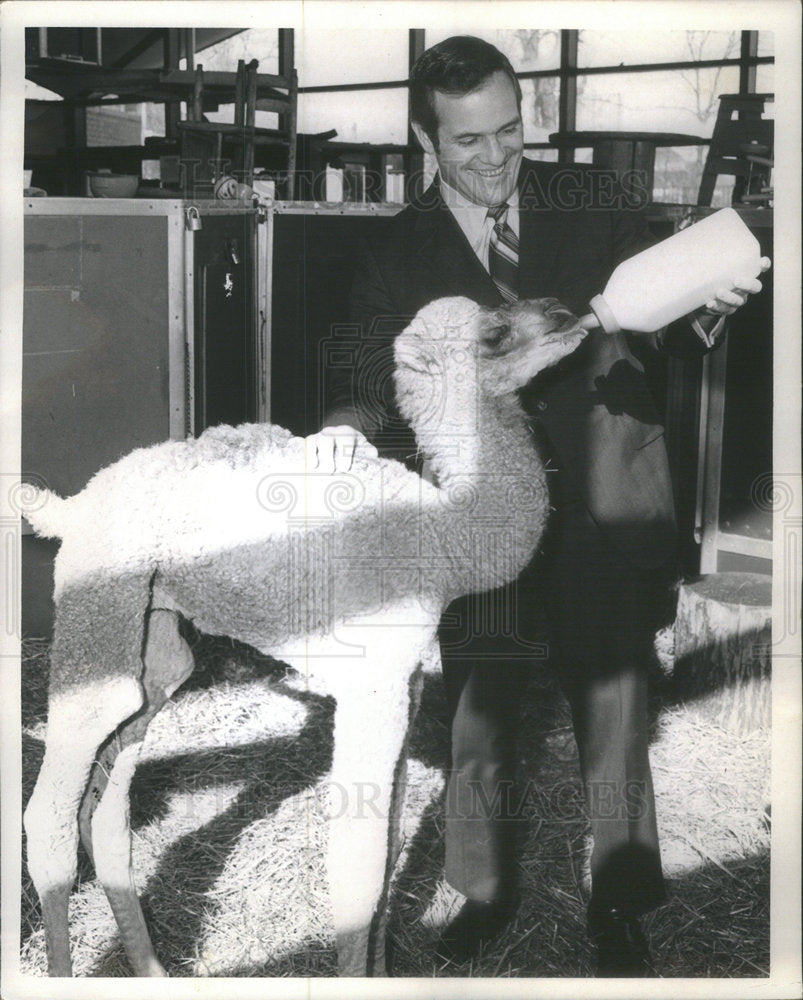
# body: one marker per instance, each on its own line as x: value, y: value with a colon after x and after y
x: 723, y: 649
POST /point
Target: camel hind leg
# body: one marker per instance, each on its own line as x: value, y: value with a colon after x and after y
x: 94, y: 686
x: 104, y: 815
x: 168, y: 662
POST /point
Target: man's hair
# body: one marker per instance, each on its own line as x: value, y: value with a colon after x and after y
x: 455, y: 66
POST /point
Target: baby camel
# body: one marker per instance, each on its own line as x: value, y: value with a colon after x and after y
x: 343, y: 576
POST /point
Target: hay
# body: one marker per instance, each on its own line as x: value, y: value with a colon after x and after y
x: 270, y: 900
x: 230, y: 835
x: 232, y: 715
x: 714, y: 807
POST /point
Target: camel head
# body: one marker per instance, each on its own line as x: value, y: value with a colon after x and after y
x: 518, y: 340
x: 454, y: 347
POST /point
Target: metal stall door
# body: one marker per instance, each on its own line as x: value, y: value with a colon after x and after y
x: 311, y: 252
x: 104, y: 350
x: 734, y: 506
x: 227, y: 367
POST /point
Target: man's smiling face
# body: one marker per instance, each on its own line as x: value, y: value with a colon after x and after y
x: 480, y: 140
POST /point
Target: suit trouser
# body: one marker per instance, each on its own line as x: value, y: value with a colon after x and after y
x: 602, y: 614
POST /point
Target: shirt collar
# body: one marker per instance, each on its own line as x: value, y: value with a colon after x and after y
x: 470, y: 216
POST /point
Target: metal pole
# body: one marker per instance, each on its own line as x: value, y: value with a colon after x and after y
x: 567, y: 99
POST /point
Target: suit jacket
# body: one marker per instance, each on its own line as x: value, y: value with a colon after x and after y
x: 595, y: 408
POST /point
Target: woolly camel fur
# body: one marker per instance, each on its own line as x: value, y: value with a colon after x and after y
x: 343, y: 576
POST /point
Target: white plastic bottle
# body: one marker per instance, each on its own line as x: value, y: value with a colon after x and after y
x: 677, y: 275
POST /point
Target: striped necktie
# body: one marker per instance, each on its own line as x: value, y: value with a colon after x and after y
x: 503, y: 254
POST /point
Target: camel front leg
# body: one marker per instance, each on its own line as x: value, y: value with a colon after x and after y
x: 371, y: 724
x: 111, y: 835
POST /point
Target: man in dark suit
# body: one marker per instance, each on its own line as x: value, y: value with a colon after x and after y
x: 494, y: 226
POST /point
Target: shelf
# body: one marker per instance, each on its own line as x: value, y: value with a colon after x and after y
x: 259, y: 136
x: 93, y: 85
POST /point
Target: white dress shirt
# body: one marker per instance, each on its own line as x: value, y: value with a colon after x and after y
x: 473, y: 220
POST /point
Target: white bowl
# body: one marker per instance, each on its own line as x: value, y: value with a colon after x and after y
x: 113, y: 185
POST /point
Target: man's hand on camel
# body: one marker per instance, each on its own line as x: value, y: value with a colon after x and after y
x: 335, y: 448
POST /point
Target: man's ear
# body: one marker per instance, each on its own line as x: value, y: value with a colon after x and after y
x: 426, y: 143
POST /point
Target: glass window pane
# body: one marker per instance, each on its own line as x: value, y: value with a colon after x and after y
x: 378, y: 116
x: 153, y: 120
x: 765, y: 84
x: 684, y: 101
x: 114, y: 125
x: 539, y: 107
x: 125, y: 125
x: 254, y: 43
x: 678, y: 172
x: 225, y: 113
x: 525, y: 48
x: 766, y: 43
x: 612, y: 48
x: 329, y: 57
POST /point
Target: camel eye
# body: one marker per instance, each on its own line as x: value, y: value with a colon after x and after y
x: 495, y: 336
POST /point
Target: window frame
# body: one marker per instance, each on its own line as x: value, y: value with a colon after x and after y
x: 568, y: 72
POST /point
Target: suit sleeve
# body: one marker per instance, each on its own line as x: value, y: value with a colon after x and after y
x: 346, y: 392
x: 361, y: 393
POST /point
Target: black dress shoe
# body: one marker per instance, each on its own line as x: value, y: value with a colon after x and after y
x: 477, y: 924
x: 622, y: 950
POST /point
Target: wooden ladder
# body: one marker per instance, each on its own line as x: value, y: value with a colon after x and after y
x: 741, y: 145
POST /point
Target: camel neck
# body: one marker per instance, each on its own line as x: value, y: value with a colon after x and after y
x: 489, y: 448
